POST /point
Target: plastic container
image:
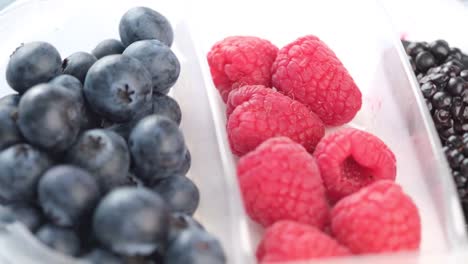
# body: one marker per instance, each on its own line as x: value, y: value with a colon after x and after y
x: 360, y: 34
x: 78, y: 26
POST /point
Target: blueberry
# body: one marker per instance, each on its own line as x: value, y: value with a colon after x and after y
x: 6, y: 215
x: 9, y: 131
x: 27, y: 214
x: 166, y: 106
x: 117, y: 86
x: 49, y: 117
x: 424, y: 61
x: 132, y: 221
x: 108, y: 47
x: 124, y: 129
x: 60, y: 239
x: 21, y: 167
x: 157, y: 147
x: 78, y: 64
x: 102, y: 256
x: 185, y: 166
x: 140, y: 23
x: 67, y: 194
x: 89, y: 119
x: 196, y: 247
x: 456, y: 85
x: 180, y: 193
x: 440, y: 49
x: 32, y: 63
x: 160, y: 61
x: 104, y: 154
x: 72, y: 84
x: 180, y: 222
x: 441, y: 100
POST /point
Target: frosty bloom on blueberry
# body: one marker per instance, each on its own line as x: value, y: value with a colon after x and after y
x: 92, y: 159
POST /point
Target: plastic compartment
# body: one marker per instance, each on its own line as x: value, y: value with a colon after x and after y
x: 79, y: 25
x: 360, y: 34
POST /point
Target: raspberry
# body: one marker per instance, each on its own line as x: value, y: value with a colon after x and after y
x: 263, y: 117
x: 241, y: 60
x: 289, y: 241
x: 378, y: 218
x: 280, y: 181
x: 243, y: 94
x: 351, y: 159
x: 309, y: 71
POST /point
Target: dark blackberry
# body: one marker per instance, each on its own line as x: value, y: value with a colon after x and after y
x: 440, y: 49
x: 456, y: 86
x: 457, y: 108
x: 428, y: 90
x: 415, y: 48
x: 454, y: 158
x: 464, y: 74
x: 464, y: 167
x: 441, y: 100
x: 454, y: 142
x: 424, y: 60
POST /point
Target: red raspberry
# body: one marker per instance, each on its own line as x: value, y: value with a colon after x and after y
x: 289, y: 241
x: 271, y: 115
x: 241, y: 60
x: 243, y: 94
x: 309, y: 71
x: 280, y: 181
x: 378, y: 218
x: 350, y: 159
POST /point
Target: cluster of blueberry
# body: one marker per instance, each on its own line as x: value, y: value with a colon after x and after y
x: 91, y: 155
x: 442, y: 73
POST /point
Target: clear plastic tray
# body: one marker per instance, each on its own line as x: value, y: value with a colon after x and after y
x: 361, y: 35
x: 78, y: 26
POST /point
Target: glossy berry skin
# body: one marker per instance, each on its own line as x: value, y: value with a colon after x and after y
x: 78, y: 64
x: 102, y: 256
x: 116, y: 86
x: 180, y: 194
x: 157, y: 147
x: 108, y: 47
x: 9, y: 131
x: 140, y: 23
x: 21, y: 166
x: 441, y: 100
x: 104, y: 154
x: 456, y: 85
x: 144, y: 209
x: 180, y: 222
x: 415, y: 48
x: 32, y: 63
x: 440, y: 49
x: 60, y: 239
x: 27, y: 214
x: 424, y: 61
x: 197, y: 247
x: 428, y: 90
x: 159, y: 60
x: 166, y: 106
x: 49, y: 117
x: 67, y: 194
